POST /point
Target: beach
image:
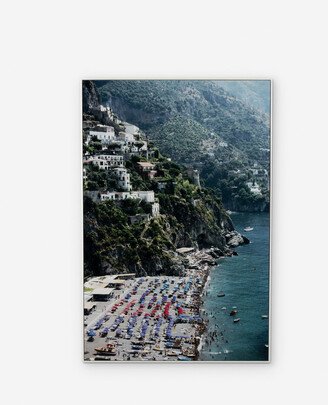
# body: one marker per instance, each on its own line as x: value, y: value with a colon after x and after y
x: 186, y: 317
x: 149, y: 318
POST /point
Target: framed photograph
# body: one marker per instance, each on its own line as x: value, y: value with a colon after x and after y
x: 176, y: 220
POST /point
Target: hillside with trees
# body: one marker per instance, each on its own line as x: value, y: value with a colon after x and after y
x: 200, y: 124
x: 123, y: 234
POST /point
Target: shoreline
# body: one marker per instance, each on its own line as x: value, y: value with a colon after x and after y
x: 204, y: 262
x: 240, y: 280
x: 207, y: 259
x: 186, y: 341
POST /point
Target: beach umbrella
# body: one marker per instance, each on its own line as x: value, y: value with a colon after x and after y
x: 91, y: 333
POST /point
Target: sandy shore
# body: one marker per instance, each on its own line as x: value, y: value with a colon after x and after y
x: 158, y: 318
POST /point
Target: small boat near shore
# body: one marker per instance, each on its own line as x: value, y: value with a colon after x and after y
x: 233, y: 312
x: 265, y: 316
x: 236, y: 320
x: 248, y: 229
x: 221, y: 294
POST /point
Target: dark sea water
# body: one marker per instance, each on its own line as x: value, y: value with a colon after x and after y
x: 245, y: 281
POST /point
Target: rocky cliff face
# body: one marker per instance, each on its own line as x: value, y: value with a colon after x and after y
x: 149, y: 248
x: 237, y: 206
x: 201, y: 234
x: 90, y: 96
x: 130, y: 113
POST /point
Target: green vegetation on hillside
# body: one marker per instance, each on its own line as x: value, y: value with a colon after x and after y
x: 189, y: 215
x: 255, y: 93
x: 190, y: 120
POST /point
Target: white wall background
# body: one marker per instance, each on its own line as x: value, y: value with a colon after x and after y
x: 47, y: 48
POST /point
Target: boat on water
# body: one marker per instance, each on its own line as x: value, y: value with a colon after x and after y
x: 248, y: 229
x: 265, y: 316
x: 221, y: 294
x: 233, y: 312
x: 236, y: 320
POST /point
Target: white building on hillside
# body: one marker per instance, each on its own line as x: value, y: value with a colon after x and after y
x: 107, y: 162
x: 104, y: 133
x: 122, y: 178
x: 147, y: 196
x: 117, y: 196
x: 155, y: 209
x: 126, y: 137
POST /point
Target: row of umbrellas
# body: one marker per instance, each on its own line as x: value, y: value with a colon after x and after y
x: 189, y: 318
x: 131, y: 324
x: 165, y: 286
x: 115, y: 306
x: 99, y: 323
x: 169, y: 327
x: 188, y: 285
x: 144, y: 327
x: 167, y: 310
x: 158, y: 326
x: 164, y: 299
x: 145, y: 323
x: 116, y: 323
x: 128, y: 306
x: 143, y: 297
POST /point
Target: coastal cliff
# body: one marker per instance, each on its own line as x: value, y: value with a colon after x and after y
x: 113, y: 244
x: 126, y: 235
x: 251, y: 205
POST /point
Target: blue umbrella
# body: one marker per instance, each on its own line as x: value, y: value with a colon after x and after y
x: 91, y: 333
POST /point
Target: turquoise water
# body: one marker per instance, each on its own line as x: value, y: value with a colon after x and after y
x: 245, y: 281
